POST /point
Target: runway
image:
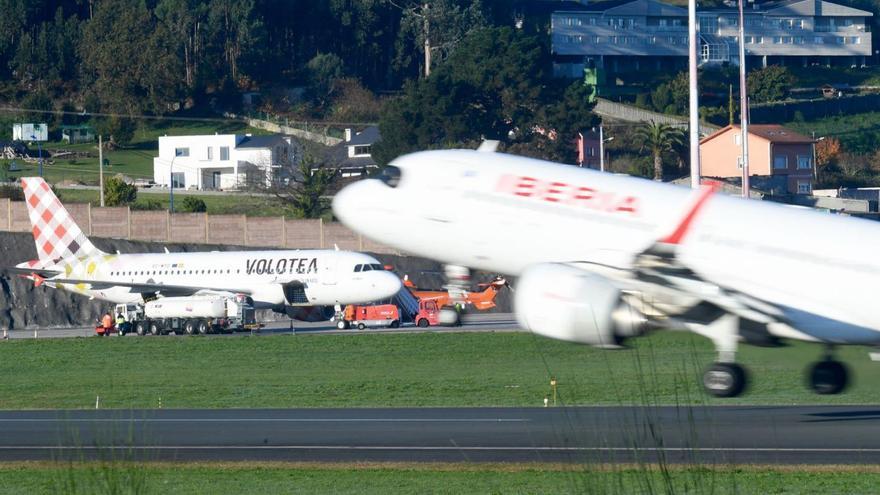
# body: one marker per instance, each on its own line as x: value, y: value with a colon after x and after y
x: 701, y: 435
x: 476, y: 322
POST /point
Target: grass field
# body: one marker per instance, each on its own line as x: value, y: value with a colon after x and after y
x: 236, y: 478
x: 216, y: 204
x: 376, y: 370
x: 858, y: 133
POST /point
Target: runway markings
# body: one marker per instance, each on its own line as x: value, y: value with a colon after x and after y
x: 265, y: 420
x: 445, y: 448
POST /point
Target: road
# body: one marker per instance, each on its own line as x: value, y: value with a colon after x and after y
x: 480, y: 322
x: 701, y: 435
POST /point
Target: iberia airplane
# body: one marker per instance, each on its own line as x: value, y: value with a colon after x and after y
x: 482, y: 300
x: 282, y: 280
x: 602, y: 257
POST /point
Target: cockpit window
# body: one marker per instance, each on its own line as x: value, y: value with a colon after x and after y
x: 377, y: 266
x: 357, y: 268
x: 368, y: 268
x: 390, y: 175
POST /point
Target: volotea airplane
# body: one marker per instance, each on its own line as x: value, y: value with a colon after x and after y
x: 602, y: 257
x: 287, y: 281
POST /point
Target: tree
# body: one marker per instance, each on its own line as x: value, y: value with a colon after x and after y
x: 659, y: 139
x: 827, y: 151
x: 306, y: 191
x: 323, y: 72
x: 117, y: 192
x: 193, y: 204
x: 771, y: 83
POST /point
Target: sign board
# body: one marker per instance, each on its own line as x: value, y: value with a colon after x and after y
x: 30, y: 132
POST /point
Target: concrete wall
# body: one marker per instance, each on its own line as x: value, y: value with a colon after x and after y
x: 199, y: 228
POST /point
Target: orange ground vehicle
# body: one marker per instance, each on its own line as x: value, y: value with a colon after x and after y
x: 379, y: 315
x: 480, y: 300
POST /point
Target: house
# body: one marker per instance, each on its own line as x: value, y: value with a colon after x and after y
x: 354, y: 156
x: 773, y: 151
x: 588, y: 149
x: 30, y: 132
x: 75, y: 134
x: 222, y: 161
x: 624, y: 35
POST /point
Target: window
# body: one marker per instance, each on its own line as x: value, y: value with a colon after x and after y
x: 804, y: 162
x: 777, y: 40
x: 224, y: 153
x: 737, y: 139
x: 804, y: 187
x: 839, y: 39
x: 780, y: 162
x: 209, y: 155
x: 818, y: 40
x: 181, y: 151
x: 798, y: 40
x: 739, y: 162
x: 855, y: 40
x: 358, y: 268
x: 178, y: 180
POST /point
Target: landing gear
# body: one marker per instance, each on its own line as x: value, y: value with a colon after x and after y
x: 725, y: 379
x: 828, y: 377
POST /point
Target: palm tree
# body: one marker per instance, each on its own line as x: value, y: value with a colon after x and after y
x: 659, y: 138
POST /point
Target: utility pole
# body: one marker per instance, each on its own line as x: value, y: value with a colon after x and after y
x: 601, y: 149
x: 101, y: 168
x: 744, y: 104
x: 427, y: 40
x: 694, y: 107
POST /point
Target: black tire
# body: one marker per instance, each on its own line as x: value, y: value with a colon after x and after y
x: 140, y: 328
x: 203, y: 327
x: 342, y: 324
x: 423, y: 323
x: 395, y: 324
x: 155, y: 328
x: 725, y: 380
x: 189, y: 327
x: 828, y: 377
x: 361, y: 326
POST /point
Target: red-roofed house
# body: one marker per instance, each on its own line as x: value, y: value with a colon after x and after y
x: 773, y: 150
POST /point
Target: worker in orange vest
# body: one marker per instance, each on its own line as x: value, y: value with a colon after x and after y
x: 107, y: 322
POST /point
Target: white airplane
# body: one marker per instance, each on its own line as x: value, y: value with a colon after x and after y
x: 287, y: 281
x: 602, y: 257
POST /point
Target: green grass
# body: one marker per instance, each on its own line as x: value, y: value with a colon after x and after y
x: 216, y: 204
x: 858, y: 133
x: 376, y: 370
x: 809, y: 77
x: 96, y: 478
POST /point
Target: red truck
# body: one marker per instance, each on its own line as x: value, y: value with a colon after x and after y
x: 387, y: 315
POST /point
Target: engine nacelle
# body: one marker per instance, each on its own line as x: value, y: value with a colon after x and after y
x: 567, y: 303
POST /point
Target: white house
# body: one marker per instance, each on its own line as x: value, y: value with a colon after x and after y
x: 221, y: 161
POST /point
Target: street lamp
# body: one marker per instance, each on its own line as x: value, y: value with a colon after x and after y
x: 602, y: 142
x: 40, y: 151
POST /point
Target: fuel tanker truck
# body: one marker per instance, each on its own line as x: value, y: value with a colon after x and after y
x: 190, y: 315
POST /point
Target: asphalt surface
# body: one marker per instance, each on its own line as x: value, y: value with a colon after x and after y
x: 701, y: 435
x: 477, y: 322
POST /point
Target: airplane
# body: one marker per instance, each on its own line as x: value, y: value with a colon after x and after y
x: 289, y: 281
x: 602, y: 257
x: 482, y: 300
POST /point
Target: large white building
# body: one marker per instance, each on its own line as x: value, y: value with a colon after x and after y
x: 221, y: 161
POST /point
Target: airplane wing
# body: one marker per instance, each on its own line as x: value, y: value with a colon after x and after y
x: 691, y: 299
x: 14, y: 270
x: 145, y: 288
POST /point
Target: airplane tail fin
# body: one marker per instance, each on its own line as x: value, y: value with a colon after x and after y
x: 56, y: 235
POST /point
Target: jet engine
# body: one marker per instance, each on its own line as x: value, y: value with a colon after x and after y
x: 567, y: 303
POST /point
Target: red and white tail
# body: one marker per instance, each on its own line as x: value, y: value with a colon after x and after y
x: 56, y: 234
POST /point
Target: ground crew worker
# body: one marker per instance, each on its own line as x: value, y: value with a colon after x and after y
x: 120, y: 322
x: 107, y: 322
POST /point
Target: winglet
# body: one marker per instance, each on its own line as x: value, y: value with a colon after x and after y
x: 677, y: 235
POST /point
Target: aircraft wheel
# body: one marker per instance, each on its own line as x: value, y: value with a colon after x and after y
x: 361, y: 326
x: 725, y: 380
x: 828, y: 377
x: 203, y: 327
x: 189, y: 327
x: 140, y: 328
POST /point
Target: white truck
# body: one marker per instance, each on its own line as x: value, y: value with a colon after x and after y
x: 190, y: 315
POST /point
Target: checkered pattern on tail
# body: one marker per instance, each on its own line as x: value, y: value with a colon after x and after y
x: 55, y: 233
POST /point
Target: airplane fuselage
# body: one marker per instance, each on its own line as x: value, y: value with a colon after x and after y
x: 503, y: 213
